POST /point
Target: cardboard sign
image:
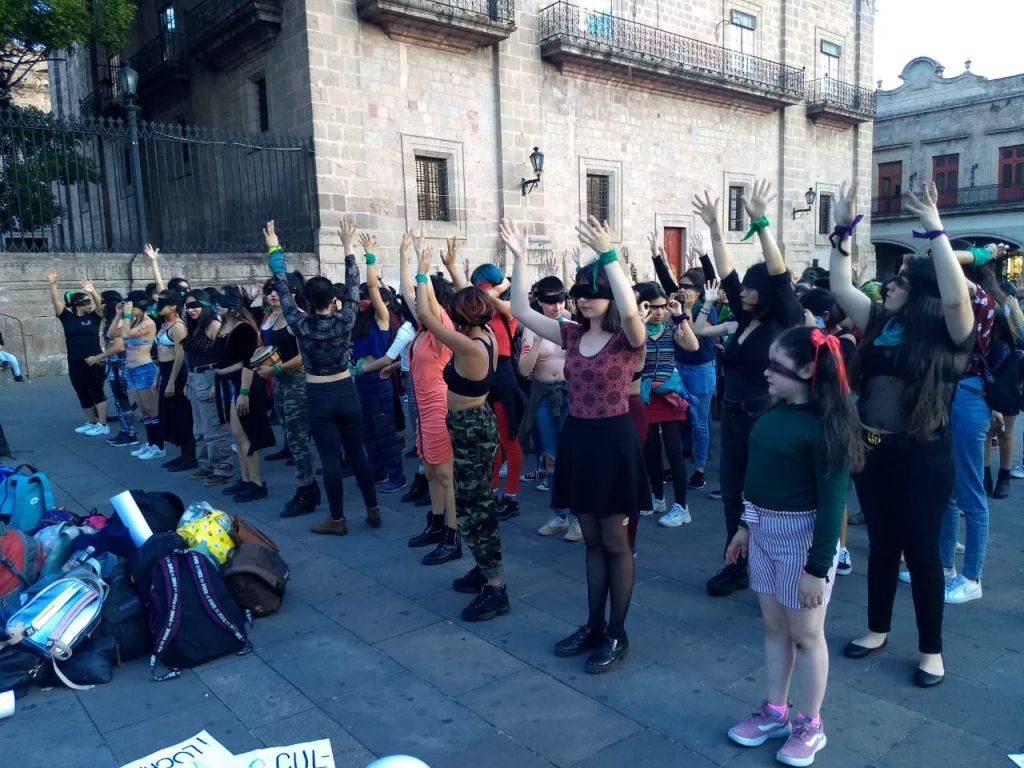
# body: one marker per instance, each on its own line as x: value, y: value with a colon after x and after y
x: 201, y: 751
x: 309, y: 754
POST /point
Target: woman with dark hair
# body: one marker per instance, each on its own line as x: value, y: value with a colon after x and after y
x: 80, y: 315
x: 138, y: 332
x: 764, y: 306
x: 324, y: 334
x: 1008, y: 333
x: 240, y: 405
x: 802, y: 450
x: 600, y: 471
x: 114, y: 363
x: 212, y: 437
x: 175, y: 410
x: 916, y: 344
x: 289, y: 382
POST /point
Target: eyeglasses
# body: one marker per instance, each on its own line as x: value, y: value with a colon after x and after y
x: 781, y: 370
x: 687, y: 287
x: 653, y: 307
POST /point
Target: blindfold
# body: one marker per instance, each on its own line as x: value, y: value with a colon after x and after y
x: 229, y: 301
x: 589, y: 291
x: 551, y: 298
x: 197, y: 305
x: 166, y: 303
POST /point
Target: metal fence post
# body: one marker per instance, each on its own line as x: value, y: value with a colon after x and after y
x: 133, y: 138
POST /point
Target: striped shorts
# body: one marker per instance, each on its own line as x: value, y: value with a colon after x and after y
x: 779, y: 540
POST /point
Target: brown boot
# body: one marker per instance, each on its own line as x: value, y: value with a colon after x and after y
x: 330, y: 527
x: 373, y: 517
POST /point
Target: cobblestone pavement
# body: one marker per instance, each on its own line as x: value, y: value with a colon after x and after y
x: 369, y: 649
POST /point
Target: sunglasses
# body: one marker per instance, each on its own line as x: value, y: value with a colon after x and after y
x: 781, y: 370
x: 901, y: 281
x: 653, y: 307
x: 687, y: 287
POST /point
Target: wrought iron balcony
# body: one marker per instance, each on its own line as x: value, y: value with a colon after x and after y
x: 105, y: 99
x: 627, y: 51
x: 454, y: 24
x: 161, y: 62
x: 966, y: 200
x: 221, y: 32
x: 835, y: 101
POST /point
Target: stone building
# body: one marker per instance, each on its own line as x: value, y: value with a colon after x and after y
x: 424, y: 113
x: 34, y: 88
x: 967, y: 134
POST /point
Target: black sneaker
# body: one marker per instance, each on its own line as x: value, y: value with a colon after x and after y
x: 1002, y: 487
x: 236, y: 487
x: 251, y: 492
x: 697, y: 481
x: 491, y: 602
x: 121, y: 439
x: 730, y: 579
x: 284, y: 453
x: 184, y: 466
x: 508, y: 508
x: 172, y: 463
x: 471, y: 583
x: 20, y: 379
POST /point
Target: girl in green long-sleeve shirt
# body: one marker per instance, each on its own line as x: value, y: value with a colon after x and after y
x: 802, y: 451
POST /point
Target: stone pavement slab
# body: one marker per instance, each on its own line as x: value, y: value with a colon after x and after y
x: 370, y: 652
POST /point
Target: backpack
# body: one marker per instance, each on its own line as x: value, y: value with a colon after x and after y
x: 191, y: 614
x: 124, y: 617
x: 21, y: 565
x: 162, y: 509
x: 256, y: 576
x: 58, y: 619
x: 25, y: 497
x: 1004, y: 384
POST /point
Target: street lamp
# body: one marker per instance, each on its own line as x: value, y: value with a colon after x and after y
x: 128, y: 79
x: 537, y: 161
x: 809, y: 197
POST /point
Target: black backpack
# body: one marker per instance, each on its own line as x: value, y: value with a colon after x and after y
x: 191, y: 614
x: 161, y: 509
x: 1004, y: 384
x: 124, y: 617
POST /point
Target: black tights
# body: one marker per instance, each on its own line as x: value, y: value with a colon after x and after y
x: 671, y: 434
x: 609, y: 570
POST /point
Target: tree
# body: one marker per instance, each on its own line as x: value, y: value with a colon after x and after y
x: 31, y: 30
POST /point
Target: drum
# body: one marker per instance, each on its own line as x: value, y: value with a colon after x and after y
x: 265, y: 356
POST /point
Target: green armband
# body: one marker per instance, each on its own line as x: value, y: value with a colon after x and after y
x: 273, y: 248
x: 243, y: 392
x: 755, y: 226
x: 981, y: 255
x: 126, y: 316
x: 608, y: 257
x: 278, y: 369
x: 371, y: 258
x: 422, y: 279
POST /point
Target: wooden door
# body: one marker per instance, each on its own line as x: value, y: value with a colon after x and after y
x: 945, y: 174
x: 1011, y: 173
x: 890, y: 186
x: 675, y: 244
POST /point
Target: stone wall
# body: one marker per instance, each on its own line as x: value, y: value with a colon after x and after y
x: 25, y: 296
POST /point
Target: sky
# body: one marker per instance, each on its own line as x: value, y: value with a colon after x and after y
x: 988, y: 32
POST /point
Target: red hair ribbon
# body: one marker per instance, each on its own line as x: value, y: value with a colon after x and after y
x: 819, y: 340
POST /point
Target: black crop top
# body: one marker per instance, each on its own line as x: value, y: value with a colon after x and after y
x: 286, y: 344
x: 460, y: 385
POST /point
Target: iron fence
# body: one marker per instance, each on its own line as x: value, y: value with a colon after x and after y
x: 965, y: 199
x: 67, y: 185
x: 499, y: 11
x: 834, y: 93
x: 604, y: 32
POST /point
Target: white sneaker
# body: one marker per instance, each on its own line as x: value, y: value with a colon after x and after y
x: 959, y: 548
x: 658, y: 505
x: 153, y: 453
x: 574, y: 533
x: 141, y: 450
x: 557, y: 524
x: 98, y: 429
x: 677, y: 516
x: 646, y: 512
x: 949, y: 574
x: 503, y: 472
x: 85, y: 427
x: 1018, y: 472
x: 845, y: 565
x: 962, y: 590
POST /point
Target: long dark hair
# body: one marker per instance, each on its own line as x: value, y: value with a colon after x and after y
x: 366, y: 319
x: 930, y: 361
x: 470, y: 307
x: 202, y: 323
x: 236, y: 302
x: 830, y: 397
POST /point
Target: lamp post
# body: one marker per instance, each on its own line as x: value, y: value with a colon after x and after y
x: 537, y: 161
x: 128, y: 79
x: 809, y: 197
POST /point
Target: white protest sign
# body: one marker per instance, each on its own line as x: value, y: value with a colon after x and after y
x: 308, y: 754
x: 201, y: 751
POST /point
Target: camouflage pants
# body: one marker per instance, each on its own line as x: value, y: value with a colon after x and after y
x: 474, y: 441
x: 290, y: 405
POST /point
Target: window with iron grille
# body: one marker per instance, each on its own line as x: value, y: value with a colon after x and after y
x: 432, y: 188
x: 824, y: 214
x: 599, y: 187
x: 262, y: 107
x: 736, y: 212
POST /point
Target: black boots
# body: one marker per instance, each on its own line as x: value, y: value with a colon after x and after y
x: 491, y: 602
x: 448, y: 548
x: 730, y: 579
x: 282, y: 455
x: 987, y: 481
x: 1002, y: 489
x: 418, y: 490
x: 432, y: 534
x: 305, y: 500
x: 471, y: 583
x: 508, y: 508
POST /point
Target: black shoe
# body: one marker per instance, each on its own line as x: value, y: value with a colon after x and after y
x: 924, y: 679
x: 508, y: 508
x: 471, y: 583
x: 586, y: 638
x: 987, y: 481
x: 697, y: 481
x: 251, y: 492
x: 235, y: 487
x: 1002, y: 489
x: 184, y: 466
x: 20, y: 379
x: 172, y: 463
x: 491, y: 602
x: 730, y: 579
x: 448, y: 548
x: 411, y: 453
x: 305, y: 500
x: 422, y: 502
x: 611, y: 650
x: 122, y: 439
x: 853, y: 651
x: 284, y: 453
x: 418, y: 489
x: 432, y: 534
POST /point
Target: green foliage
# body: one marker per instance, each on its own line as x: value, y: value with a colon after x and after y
x: 36, y: 159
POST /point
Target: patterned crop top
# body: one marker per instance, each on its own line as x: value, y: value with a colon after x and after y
x: 599, y: 384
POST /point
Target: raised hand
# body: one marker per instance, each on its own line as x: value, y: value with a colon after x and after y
x: 550, y: 268
x: 86, y: 284
x: 418, y: 242
x: 426, y: 254
x: 596, y: 234
x: 516, y: 241
x: 926, y: 206
x: 652, y: 241
x: 368, y: 241
x: 699, y: 244
x: 689, y: 299
x: 644, y: 308
x: 674, y: 307
x: 403, y: 249
x: 844, y: 206
x: 706, y: 208
x: 150, y: 252
x: 574, y: 254
x: 759, y: 198
x: 127, y: 308
x: 453, y: 249
x: 269, y: 235
x: 348, y: 235
x: 51, y: 275
x: 710, y: 292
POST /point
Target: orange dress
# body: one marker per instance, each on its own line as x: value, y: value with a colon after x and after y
x: 426, y: 363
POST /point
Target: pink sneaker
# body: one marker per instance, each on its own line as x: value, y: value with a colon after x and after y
x: 759, y: 727
x: 803, y: 743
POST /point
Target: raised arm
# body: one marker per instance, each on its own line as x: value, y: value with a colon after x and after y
x: 853, y: 301
x: 448, y: 258
x: 153, y: 254
x: 708, y: 212
x: 452, y: 339
x: 97, y: 300
x: 756, y: 206
x: 350, y: 299
x: 545, y: 327
x: 597, y: 235
x: 661, y: 266
x: 684, y: 337
x: 279, y: 269
x: 58, y: 301
x: 702, y: 324
x: 406, y: 285
x: 380, y: 309
x: 956, y: 302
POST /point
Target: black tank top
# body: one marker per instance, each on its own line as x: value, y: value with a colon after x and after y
x: 286, y: 344
x: 467, y: 387
x: 198, y: 350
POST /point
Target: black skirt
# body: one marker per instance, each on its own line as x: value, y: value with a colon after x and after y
x: 600, y: 468
x: 256, y: 423
x: 175, y: 412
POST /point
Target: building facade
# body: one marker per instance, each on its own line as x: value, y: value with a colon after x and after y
x: 424, y: 113
x: 966, y: 133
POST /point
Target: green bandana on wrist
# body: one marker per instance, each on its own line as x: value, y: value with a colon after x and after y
x: 756, y: 225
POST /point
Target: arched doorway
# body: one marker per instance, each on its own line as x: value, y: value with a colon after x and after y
x: 889, y: 257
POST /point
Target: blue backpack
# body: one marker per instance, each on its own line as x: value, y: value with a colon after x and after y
x: 24, y: 497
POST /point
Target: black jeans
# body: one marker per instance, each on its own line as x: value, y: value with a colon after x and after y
x: 336, y: 420
x: 671, y: 434
x: 903, y: 491
x: 737, y: 420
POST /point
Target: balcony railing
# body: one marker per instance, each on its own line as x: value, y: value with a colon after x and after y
x: 964, y: 200
x: 223, y: 31
x: 456, y: 24
x: 165, y: 52
x: 631, y: 51
x: 833, y: 99
x: 105, y: 98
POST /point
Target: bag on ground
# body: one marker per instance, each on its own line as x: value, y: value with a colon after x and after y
x: 25, y: 496
x: 21, y: 564
x: 256, y: 576
x: 247, y: 533
x: 124, y: 617
x: 161, y: 509
x: 210, y: 535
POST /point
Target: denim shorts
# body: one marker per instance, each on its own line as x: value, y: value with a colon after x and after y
x: 142, y: 376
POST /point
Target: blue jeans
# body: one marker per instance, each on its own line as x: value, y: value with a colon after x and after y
x: 547, y: 428
x: 699, y: 380
x: 968, y: 425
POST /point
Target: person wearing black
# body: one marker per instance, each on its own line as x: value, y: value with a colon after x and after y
x: 81, y: 315
x: 325, y: 343
x: 763, y: 306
